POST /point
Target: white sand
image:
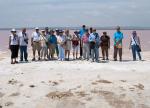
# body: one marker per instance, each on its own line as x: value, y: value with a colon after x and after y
x: 75, y: 84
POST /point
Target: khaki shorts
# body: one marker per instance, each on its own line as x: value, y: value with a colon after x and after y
x: 36, y: 46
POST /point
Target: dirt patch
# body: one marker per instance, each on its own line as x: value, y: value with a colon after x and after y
x: 140, y: 86
x: 115, y: 100
x: 59, y: 95
x: 101, y: 81
x: 55, y: 83
x: 12, y: 82
x: 81, y: 93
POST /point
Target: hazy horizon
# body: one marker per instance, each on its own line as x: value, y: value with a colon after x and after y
x: 74, y: 13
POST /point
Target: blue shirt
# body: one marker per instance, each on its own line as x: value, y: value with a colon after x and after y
x: 118, y: 36
x: 92, y: 37
x: 52, y: 39
x: 82, y: 32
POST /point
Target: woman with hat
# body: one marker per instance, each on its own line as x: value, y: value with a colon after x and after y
x: 14, y: 46
x: 43, y: 45
x: 61, y: 45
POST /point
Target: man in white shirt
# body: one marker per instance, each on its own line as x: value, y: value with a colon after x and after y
x: 35, y: 43
x: 23, y: 42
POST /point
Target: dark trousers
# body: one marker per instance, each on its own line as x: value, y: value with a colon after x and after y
x: 116, y: 50
x: 23, y: 52
x: 14, y: 51
x: 134, y: 51
x: 105, y: 52
x: 81, y: 48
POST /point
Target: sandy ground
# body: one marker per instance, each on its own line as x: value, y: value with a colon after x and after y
x: 75, y: 84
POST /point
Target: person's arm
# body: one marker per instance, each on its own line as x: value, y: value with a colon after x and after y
x: 130, y: 43
x: 109, y: 43
x: 139, y: 41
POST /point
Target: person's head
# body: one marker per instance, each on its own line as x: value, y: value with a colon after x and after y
x: 61, y: 32
x: 118, y: 28
x: 134, y: 33
x: 94, y: 31
x: 52, y: 32
x: 37, y: 29
x: 91, y: 30
x: 57, y: 31
x: 67, y: 32
x: 13, y: 31
x: 43, y: 32
x: 83, y: 26
x: 46, y: 29
x: 24, y: 30
x: 104, y: 33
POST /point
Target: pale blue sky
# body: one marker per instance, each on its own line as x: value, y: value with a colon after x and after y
x: 31, y: 13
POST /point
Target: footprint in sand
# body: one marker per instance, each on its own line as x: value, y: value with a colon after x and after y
x: 9, y: 104
x: 15, y: 94
x: 70, y: 103
x: 1, y: 94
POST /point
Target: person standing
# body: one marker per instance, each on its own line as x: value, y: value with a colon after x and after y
x: 23, y: 39
x: 57, y: 34
x: 105, y: 45
x: 52, y: 43
x: 81, y: 33
x: 14, y: 46
x: 75, y: 46
x: 118, y: 37
x: 85, y: 44
x: 68, y: 44
x: 35, y: 43
x: 43, y: 41
x: 61, y: 45
x: 135, y: 46
x: 47, y: 37
x: 94, y: 41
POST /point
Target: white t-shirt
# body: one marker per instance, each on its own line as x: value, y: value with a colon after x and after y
x: 14, y: 40
x: 22, y: 38
x: 36, y: 37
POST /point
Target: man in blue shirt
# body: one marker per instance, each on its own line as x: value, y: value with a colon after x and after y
x: 94, y: 40
x: 81, y: 33
x: 118, y: 37
x: 52, y: 43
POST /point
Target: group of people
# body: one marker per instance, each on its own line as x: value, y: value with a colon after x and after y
x: 47, y: 43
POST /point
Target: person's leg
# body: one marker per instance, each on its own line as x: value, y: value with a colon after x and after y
x: 68, y: 54
x: 39, y: 50
x: 96, y: 54
x: 73, y: 53
x: 88, y: 51
x: 103, y: 53
x: 45, y: 52
x: 63, y: 54
x: 107, y: 58
x: 12, y: 54
x: 138, y: 53
x: 133, y: 52
x: 81, y: 49
x: 21, y: 53
x: 115, y: 53
x: 92, y: 54
x: 25, y: 53
x: 59, y: 49
x: 34, y: 50
x: 120, y: 54
x: 42, y: 51
x: 84, y: 51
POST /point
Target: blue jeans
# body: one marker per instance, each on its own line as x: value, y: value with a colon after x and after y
x: 134, y: 51
x: 23, y: 52
x: 95, y: 54
x: 61, y: 52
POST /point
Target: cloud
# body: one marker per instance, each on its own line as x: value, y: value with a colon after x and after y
x: 18, y: 13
